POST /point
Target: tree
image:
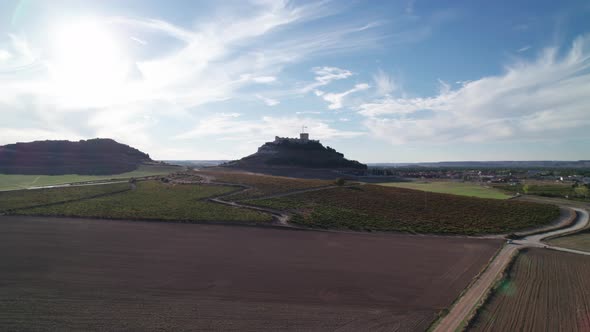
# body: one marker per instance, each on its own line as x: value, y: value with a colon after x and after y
x: 526, y: 188
x: 582, y: 191
x: 340, y: 182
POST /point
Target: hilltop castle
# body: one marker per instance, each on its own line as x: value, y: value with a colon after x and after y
x: 303, y: 138
x: 301, y: 153
x: 269, y: 147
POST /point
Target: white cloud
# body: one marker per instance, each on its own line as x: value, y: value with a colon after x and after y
x: 230, y: 127
x: 268, y: 101
x: 264, y: 79
x: 384, y: 83
x: 5, y: 55
x: 207, y: 62
x: 138, y: 40
x: 546, y: 99
x: 324, y: 76
x: 524, y: 48
x: 336, y: 99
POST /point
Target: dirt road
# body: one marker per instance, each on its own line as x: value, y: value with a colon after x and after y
x: 465, y: 305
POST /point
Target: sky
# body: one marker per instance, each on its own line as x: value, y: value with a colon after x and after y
x: 380, y: 81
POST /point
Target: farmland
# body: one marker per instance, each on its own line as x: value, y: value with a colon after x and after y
x: 82, y: 274
x: 154, y: 200
x: 544, y: 291
x: 28, y: 198
x: 450, y: 187
x: 264, y: 185
x: 15, y: 182
x: 578, y: 241
x: 548, y: 189
x: 378, y: 208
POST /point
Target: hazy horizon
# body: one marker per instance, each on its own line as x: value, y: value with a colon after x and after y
x: 392, y: 82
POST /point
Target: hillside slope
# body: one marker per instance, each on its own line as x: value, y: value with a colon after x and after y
x: 311, y: 154
x: 86, y: 157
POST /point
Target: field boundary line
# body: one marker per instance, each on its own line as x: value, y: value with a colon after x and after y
x: 463, y: 309
x: 490, y: 292
x: 446, y: 311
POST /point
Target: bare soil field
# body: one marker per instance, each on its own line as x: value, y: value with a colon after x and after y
x: 545, y: 290
x: 82, y: 274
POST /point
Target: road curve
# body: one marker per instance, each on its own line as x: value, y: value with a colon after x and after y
x: 464, y: 306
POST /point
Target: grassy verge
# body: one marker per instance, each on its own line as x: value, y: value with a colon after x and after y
x: 576, y: 241
x: 156, y: 201
x: 15, y: 181
x: 378, y: 208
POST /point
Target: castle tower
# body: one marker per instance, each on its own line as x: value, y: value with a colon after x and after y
x: 304, y: 137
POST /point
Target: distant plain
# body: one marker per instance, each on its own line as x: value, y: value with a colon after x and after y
x: 15, y: 181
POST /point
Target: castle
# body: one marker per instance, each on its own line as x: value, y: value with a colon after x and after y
x: 269, y: 147
x: 303, y: 138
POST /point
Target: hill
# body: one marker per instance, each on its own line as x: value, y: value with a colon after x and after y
x: 87, y: 157
x: 297, y: 153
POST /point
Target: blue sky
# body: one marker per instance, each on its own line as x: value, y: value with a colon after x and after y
x: 380, y: 81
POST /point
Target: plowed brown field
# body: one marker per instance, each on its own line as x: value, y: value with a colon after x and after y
x: 545, y: 291
x: 116, y: 275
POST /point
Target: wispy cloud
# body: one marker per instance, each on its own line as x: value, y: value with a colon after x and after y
x: 138, y: 40
x: 384, y: 83
x: 230, y: 127
x: 546, y: 99
x: 410, y: 7
x: 524, y: 48
x: 324, y: 76
x: 208, y: 62
x: 336, y: 99
x: 268, y: 101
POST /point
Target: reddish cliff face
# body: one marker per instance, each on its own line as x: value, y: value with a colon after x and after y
x: 89, y: 157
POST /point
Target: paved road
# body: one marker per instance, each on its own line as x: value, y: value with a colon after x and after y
x: 465, y: 305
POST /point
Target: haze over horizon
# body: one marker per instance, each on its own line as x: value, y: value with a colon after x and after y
x: 380, y: 81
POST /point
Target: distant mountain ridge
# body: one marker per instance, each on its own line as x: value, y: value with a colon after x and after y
x: 494, y: 164
x: 297, y: 152
x: 99, y: 156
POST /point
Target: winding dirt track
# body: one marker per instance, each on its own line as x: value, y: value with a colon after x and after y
x: 465, y: 305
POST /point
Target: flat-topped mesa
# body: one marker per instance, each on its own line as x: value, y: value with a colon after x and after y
x: 86, y: 157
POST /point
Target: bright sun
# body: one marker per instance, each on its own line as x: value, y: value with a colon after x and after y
x: 86, y: 62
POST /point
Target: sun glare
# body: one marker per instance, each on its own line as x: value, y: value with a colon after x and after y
x: 86, y: 60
